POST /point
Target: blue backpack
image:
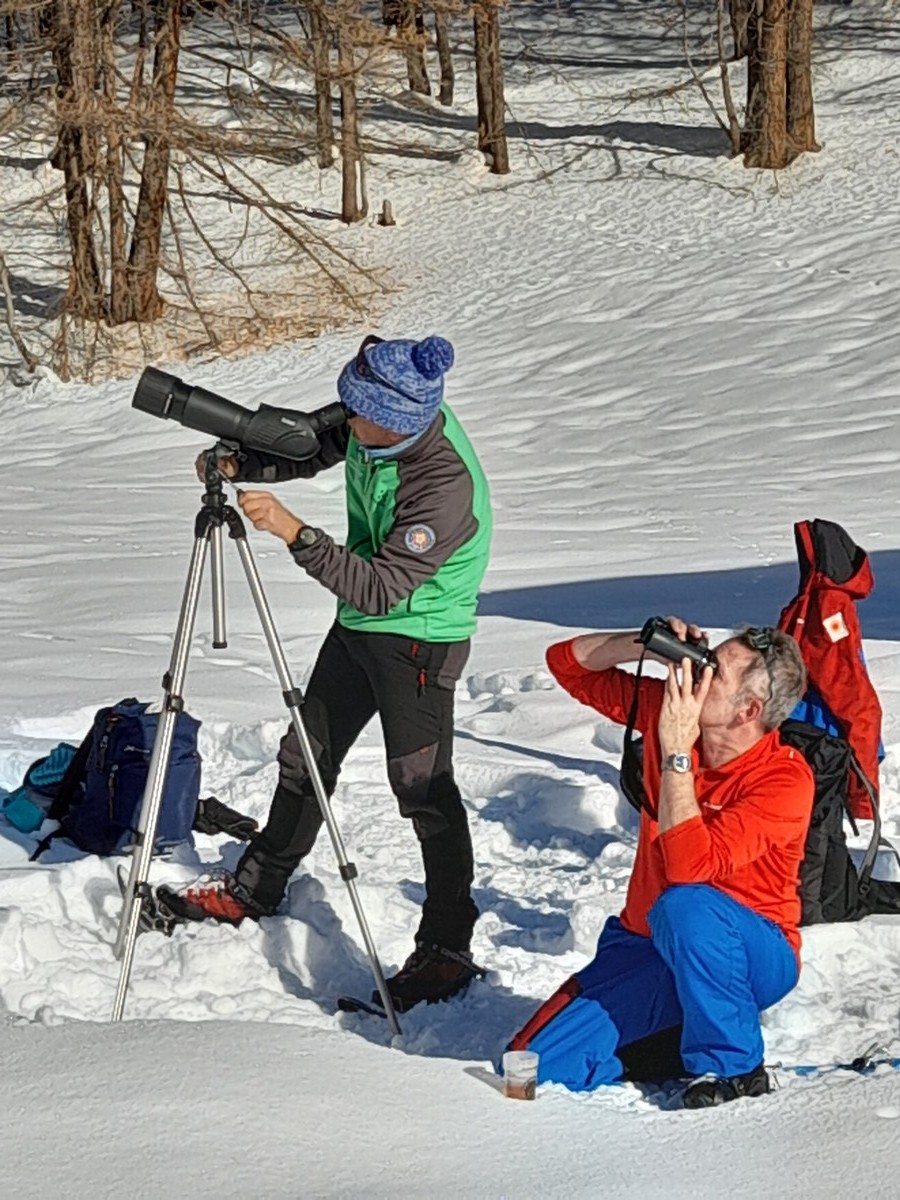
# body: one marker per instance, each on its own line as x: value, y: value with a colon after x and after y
x: 98, y: 800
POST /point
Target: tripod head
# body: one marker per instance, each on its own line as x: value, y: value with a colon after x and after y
x: 213, y: 476
x: 215, y: 512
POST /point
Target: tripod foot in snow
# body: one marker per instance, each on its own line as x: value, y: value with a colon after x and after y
x: 155, y: 916
x: 353, y: 1004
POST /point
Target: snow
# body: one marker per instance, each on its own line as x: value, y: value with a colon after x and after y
x: 664, y: 361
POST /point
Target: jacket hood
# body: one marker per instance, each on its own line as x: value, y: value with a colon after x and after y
x: 825, y: 548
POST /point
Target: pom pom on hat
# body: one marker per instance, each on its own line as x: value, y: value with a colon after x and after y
x: 432, y: 357
x: 401, y: 384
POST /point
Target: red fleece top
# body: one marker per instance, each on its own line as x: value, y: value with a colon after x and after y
x: 754, y: 811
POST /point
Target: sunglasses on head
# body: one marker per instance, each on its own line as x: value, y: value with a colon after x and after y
x: 365, y: 370
x: 362, y: 363
x: 762, y: 639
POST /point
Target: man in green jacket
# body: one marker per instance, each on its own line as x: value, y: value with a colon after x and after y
x: 419, y: 526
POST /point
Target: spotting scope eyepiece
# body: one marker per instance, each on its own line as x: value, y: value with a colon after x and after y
x: 281, y: 431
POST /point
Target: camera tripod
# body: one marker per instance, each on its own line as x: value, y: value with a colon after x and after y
x: 214, y: 514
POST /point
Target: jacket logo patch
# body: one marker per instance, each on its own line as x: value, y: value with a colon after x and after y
x: 836, y: 627
x: 420, y: 538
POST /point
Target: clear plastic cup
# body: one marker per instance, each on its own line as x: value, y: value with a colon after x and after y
x: 520, y: 1068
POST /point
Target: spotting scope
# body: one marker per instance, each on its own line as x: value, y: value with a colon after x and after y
x: 281, y: 431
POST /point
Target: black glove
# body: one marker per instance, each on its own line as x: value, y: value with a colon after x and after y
x: 215, y: 817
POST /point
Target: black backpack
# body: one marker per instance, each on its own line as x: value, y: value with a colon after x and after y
x: 831, y: 886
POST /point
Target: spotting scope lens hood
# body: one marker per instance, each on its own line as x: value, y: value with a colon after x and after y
x: 280, y: 431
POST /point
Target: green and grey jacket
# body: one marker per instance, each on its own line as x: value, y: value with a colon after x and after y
x: 418, y: 536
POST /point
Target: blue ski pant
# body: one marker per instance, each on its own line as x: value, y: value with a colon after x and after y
x: 710, y: 966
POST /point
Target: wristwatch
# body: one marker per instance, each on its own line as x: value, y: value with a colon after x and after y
x: 305, y: 538
x: 679, y: 763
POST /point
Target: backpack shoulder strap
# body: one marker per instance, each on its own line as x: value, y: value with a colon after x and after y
x: 876, y: 840
x: 631, y: 772
x: 66, y: 792
x: 69, y: 784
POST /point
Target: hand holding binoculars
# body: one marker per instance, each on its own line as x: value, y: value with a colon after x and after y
x: 660, y: 638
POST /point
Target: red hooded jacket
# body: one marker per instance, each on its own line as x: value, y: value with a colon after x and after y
x: 834, y: 574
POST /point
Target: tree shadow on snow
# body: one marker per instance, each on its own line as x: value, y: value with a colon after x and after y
x: 698, y: 141
x: 695, y: 141
x: 35, y: 299
x: 713, y: 599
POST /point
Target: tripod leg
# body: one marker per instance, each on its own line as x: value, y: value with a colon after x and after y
x: 220, y: 640
x: 293, y: 699
x: 157, y: 770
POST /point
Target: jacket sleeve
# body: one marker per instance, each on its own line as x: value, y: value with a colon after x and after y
x: 773, y: 810
x: 256, y: 467
x: 429, y: 526
x: 609, y: 692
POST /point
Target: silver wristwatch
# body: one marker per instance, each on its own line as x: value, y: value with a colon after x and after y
x: 679, y: 763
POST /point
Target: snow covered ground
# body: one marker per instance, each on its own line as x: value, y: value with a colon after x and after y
x: 664, y: 361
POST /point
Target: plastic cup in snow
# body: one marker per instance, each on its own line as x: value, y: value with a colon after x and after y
x: 520, y: 1068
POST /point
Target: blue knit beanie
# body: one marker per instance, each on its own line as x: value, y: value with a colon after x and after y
x: 401, y: 384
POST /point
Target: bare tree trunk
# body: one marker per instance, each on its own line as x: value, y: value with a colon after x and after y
x: 353, y: 198
x: 411, y: 30
x: 74, y: 48
x: 115, y: 171
x: 42, y: 24
x: 801, y: 121
x: 27, y: 357
x: 320, y: 41
x: 734, y: 125
x: 766, y: 120
x: 739, y: 11
x: 445, y: 58
x: 143, y: 27
x: 143, y: 261
x: 751, y: 115
x: 489, y: 86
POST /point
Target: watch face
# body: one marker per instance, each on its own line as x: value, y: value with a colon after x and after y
x: 678, y: 762
x: 306, y: 536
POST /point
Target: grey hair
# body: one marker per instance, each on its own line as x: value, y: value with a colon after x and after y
x: 778, y: 679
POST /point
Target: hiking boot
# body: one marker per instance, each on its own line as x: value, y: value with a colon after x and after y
x: 710, y: 1091
x: 208, y: 898
x: 431, y: 973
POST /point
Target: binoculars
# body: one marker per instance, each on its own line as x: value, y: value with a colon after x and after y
x: 660, y: 638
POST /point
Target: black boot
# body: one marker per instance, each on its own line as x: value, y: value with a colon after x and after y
x: 706, y: 1093
x: 431, y: 973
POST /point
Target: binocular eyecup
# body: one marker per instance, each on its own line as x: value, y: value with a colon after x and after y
x: 660, y: 638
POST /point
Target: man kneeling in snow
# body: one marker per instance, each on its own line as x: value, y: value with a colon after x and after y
x: 708, y: 936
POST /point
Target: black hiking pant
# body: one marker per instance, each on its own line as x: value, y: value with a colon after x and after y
x: 410, y: 685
